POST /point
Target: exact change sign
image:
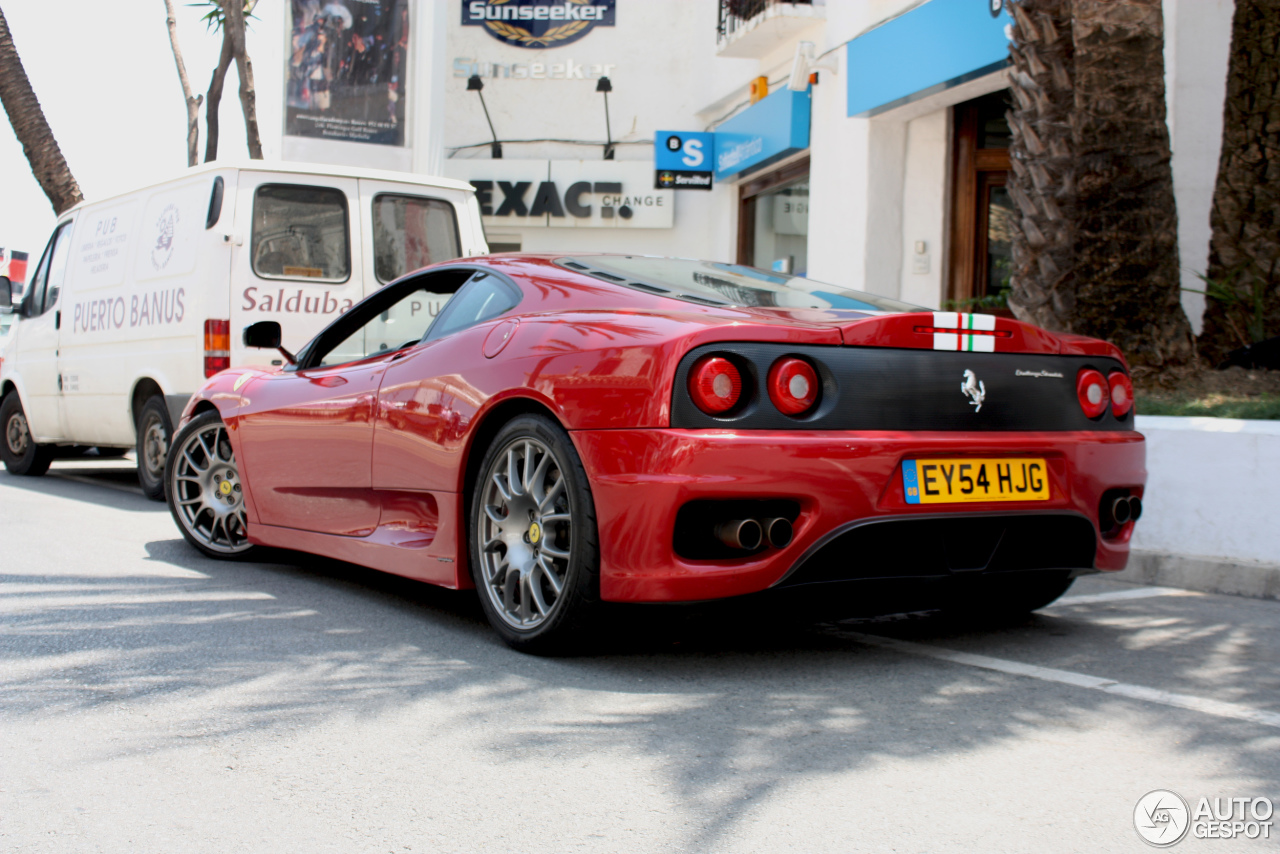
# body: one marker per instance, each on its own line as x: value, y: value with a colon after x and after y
x: 682, y: 160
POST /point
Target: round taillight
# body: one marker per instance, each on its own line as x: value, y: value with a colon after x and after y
x: 1093, y: 391
x: 715, y: 384
x: 793, y: 385
x: 1121, y: 393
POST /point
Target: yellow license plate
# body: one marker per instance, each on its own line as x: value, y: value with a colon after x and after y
x: 967, y: 480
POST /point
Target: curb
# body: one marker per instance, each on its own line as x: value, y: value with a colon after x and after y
x: 1207, y: 575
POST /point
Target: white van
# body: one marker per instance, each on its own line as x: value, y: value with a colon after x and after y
x: 135, y: 298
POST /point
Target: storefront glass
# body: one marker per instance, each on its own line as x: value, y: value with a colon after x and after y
x: 781, y: 229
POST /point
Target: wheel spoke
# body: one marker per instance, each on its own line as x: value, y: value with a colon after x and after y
x: 536, y: 484
x: 495, y: 514
x: 527, y: 474
x: 509, y: 585
x: 186, y: 501
x: 550, y: 574
x: 552, y: 551
x: 492, y: 546
x: 526, y: 597
x: 556, y: 517
x: 552, y: 494
x: 194, y: 465
x: 513, y: 474
x: 501, y: 486
x: 535, y: 591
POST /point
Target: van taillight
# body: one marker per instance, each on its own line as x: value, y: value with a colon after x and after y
x: 217, y: 346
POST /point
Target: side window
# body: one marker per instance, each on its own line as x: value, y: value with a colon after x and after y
x: 58, y: 267
x: 483, y: 298
x: 301, y: 233
x: 37, y: 300
x: 410, y: 232
x: 392, y: 319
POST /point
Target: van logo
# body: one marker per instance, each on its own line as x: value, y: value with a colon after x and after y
x: 974, y: 389
x: 166, y: 228
x: 538, y: 23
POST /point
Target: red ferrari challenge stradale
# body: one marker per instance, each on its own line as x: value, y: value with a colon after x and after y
x: 566, y: 432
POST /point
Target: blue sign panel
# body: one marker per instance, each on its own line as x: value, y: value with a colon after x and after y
x: 935, y: 46
x: 682, y: 160
x: 538, y: 23
x: 765, y: 131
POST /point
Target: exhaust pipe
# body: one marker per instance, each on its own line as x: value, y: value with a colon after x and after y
x: 1135, y: 508
x: 1121, y: 511
x: 740, y: 534
x: 777, y: 532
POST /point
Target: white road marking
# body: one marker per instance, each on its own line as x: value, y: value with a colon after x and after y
x: 1218, y: 708
x: 1121, y: 595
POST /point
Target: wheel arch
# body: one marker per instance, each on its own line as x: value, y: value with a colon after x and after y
x: 489, y: 422
x: 144, y: 388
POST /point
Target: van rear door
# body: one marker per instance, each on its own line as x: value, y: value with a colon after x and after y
x: 298, y: 259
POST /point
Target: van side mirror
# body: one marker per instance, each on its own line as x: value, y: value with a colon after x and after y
x: 263, y: 335
x: 6, y: 292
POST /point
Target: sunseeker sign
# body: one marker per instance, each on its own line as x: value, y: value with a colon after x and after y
x: 538, y: 23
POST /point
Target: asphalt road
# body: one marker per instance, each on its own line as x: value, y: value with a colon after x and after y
x: 152, y: 700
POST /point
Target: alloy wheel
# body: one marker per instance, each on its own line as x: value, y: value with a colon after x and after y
x: 207, y: 496
x: 526, y: 534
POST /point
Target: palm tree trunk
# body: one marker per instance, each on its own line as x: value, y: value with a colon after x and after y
x: 1042, y: 183
x: 214, y: 99
x: 193, y: 101
x: 1244, y: 250
x: 234, y: 24
x: 31, y: 128
x: 1099, y: 252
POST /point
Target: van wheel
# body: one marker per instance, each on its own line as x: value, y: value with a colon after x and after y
x: 20, y: 453
x: 154, y: 433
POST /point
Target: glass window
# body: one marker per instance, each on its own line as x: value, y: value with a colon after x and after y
x: 781, y: 239
x: 483, y: 298
x: 1000, y: 225
x: 728, y: 284
x: 301, y: 233
x: 410, y: 232
x: 43, y: 289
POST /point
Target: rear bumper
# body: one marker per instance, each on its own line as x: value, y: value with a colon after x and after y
x: 641, y: 478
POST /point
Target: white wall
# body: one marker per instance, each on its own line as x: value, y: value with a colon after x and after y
x: 923, y: 218
x: 1196, y: 49
x: 1211, y: 488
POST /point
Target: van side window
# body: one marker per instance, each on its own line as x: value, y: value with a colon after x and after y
x: 301, y: 233
x: 410, y: 232
x: 58, y: 267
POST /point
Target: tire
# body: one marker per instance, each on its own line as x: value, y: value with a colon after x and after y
x: 203, y: 489
x: 155, y: 432
x: 21, y: 455
x: 521, y: 546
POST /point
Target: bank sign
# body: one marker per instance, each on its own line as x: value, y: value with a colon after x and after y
x: 566, y: 193
x: 538, y: 23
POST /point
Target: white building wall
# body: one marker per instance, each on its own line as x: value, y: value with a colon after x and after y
x: 1196, y: 49
x: 924, y: 220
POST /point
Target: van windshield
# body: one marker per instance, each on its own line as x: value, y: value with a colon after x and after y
x: 728, y: 284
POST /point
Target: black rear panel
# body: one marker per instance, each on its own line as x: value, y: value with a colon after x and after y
x: 880, y: 388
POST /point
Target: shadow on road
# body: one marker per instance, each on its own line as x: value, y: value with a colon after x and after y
x: 736, y: 706
x: 107, y: 484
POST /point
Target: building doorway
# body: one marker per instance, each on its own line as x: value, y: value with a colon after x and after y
x: 982, y: 215
x: 773, y: 220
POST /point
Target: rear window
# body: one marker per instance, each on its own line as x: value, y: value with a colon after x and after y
x: 410, y: 232
x: 301, y: 233
x: 709, y: 282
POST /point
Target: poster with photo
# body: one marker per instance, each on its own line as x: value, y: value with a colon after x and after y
x: 346, y: 70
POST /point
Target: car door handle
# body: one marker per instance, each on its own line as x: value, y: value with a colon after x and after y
x: 57, y: 320
x: 330, y: 382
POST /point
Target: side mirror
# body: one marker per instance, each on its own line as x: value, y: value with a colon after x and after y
x: 263, y: 335
x: 6, y: 292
